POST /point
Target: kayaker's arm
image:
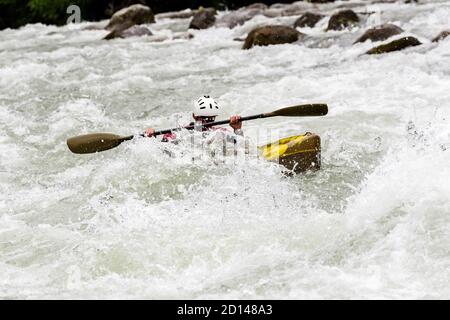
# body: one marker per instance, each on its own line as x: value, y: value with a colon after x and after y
x: 236, y: 124
x: 150, y: 132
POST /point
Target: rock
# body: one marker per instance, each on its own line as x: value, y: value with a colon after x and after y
x: 292, y: 11
x: 308, y: 20
x: 184, y: 14
x: 278, y: 6
x: 284, y: 10
x: 182, y: 36
x: 134, y: 31
x: 237, y: 18
x: 257, y: 5
x: 203, y: 19
x: 158, y: 38
x: 273, y: 13
x: 128, y: 17
x: 441, y: 36
x: 270, y: 35
x: 342, y: 20
x: 380, y: 33
x: 395, y: 45
x: 112, y: 6
x: 113, y: 34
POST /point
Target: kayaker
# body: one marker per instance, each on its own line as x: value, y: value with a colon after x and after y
x: 205, y: 110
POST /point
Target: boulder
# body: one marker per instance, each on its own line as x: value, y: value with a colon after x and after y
x: 203, y: 19
x: 278, y: 6
x: 183, y: 36
x: 273, y: 13
x: 308, y: 20
x: 257, y: 5
x: 158, y: 38
x: 113, y: 6
x: 238, y: 17
x: 441, y: 36
x: 284, y: 10
x: 134, y: 31
x: 395, y: 45
x: 380, y: 33
x: 128, y: 17
x: 292, y: 10
x: 269, y: 35
x: 342, y: 20
x: 184, y: 14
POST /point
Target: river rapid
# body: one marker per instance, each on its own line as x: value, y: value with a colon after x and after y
x: 134, y: 223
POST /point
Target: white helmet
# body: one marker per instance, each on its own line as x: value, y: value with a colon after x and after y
x: 205, y: 107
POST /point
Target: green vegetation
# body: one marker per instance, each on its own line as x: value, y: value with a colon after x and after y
x: 15, y: 13
x: 53, y: 11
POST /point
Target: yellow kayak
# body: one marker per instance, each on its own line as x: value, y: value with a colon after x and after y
x: 296, y: 153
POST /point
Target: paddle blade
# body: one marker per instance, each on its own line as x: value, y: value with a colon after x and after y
x: 95, y: 142
x: 305, y: 110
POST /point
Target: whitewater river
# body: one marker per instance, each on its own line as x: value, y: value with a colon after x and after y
x: 134, y: 223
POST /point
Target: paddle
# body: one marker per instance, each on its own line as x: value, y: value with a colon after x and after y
x: 97, y: 142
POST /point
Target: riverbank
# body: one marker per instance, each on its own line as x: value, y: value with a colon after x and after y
x: 17, y: 13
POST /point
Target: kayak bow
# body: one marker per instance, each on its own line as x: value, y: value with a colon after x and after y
x: 296, y: 153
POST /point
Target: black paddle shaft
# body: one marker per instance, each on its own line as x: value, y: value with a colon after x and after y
x: 318, y: 109
x: 210, y: 124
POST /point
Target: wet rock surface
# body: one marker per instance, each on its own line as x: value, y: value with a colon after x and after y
x: 238, y: 17
x: 183, y: 14
x: 380, y: 33
x: 257, y: 5
x: 441, y: 36
x: 343, y: 19
x: 133, y: 15
x: 271, y: 35
x: 128, y: 17
x: 395, y: 45
x: 308, y: 20
x: 203, y: 19
x: 136, y: 31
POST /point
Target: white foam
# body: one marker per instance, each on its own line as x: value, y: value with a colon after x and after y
x: 135, y: 223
